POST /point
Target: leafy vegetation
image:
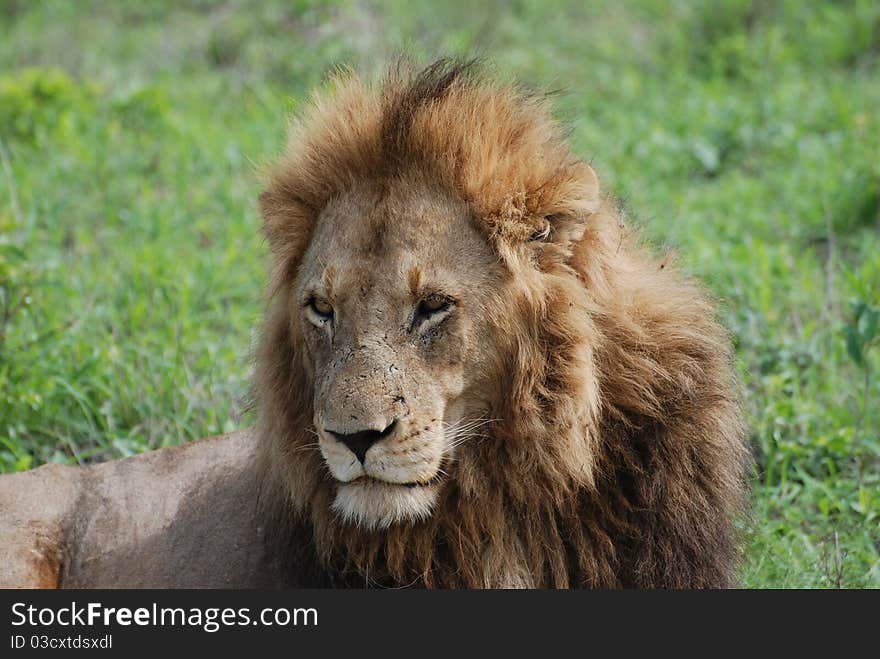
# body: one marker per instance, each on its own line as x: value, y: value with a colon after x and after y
x: 744, y: 135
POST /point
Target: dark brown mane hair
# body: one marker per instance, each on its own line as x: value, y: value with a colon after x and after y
x: 619, y: 453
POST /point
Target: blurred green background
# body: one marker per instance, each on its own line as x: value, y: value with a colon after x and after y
x: 742, y: 134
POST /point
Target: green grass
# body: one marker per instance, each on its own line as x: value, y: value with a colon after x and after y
x: 743, y: 135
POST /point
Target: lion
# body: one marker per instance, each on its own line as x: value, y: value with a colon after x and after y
x: 472, y: 374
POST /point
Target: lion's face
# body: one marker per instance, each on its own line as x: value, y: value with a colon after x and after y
x: 390, y: 306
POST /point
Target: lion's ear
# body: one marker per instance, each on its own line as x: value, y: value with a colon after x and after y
x: 271, y: 208
x: 573, y: 200
x: 268, y: 206
x: 287, y: 225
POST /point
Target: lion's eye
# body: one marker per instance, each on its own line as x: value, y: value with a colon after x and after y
x: 433, y: 304
x: 432, y: 308
x: 320, y: 308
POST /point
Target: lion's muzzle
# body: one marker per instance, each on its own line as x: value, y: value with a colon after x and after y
x: 401, y: 453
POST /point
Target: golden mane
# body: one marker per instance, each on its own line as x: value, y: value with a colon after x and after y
x: 618, y: 453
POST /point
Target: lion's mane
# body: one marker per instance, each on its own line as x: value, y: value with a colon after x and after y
x: 618, y: 454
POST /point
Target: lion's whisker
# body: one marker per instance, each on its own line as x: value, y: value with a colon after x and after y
x: 307, y: 447
x: 465, y: 429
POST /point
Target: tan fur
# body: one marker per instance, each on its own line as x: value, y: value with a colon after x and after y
x: 180, y: 517
x: 615, y: 454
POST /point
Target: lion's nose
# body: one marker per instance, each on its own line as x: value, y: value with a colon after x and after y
x: 360, y: 442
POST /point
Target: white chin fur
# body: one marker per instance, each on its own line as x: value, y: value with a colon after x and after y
x: 374, y: 506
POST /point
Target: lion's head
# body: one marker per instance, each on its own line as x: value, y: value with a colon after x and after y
x: 391, y: 311
x: 448, y: 354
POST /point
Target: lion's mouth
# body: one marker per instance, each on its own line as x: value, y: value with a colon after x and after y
x: 435, y: 480
x: 370, y: 479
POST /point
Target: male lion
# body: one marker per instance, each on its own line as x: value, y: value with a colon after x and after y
x: 470, y: 375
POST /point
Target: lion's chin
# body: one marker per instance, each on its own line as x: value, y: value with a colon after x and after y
x: 375, y: 505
